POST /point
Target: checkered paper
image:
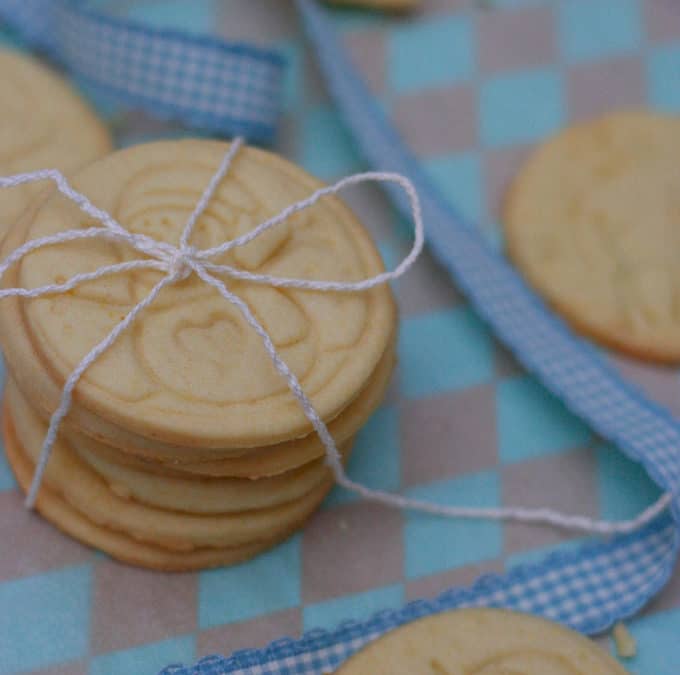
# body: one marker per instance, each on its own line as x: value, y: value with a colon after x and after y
x: 207, y: 83
x: 568, y: 588
x: 463, y: 423
x: 567, y: 365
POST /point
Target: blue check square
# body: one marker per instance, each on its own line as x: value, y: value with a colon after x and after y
x: 663, y: 77
x: 44, y: 619
x: 592, y: 30
x: 532, y: 422
x: 431, y: 53
x: 252, y: 589
x: 521, y: 107
x: 436, y: 544
x: 444, y: 351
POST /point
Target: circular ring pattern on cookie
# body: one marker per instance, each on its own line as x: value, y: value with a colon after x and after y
x: 192, y: 372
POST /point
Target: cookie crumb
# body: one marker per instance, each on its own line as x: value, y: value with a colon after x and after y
x: 626, y: 646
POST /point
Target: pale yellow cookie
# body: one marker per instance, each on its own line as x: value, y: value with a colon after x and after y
x: 44, y: 125
x: 192, y: 373
x: 187, y: 494
x: 209, y: 495
x: 255, y: 463
x: 102, y: 438
x: 117, y: 544
x: 593, y: 222
x: 482, y: 642
x: 84, y: 490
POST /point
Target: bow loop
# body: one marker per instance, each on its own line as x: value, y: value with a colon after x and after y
x: 180, y: 262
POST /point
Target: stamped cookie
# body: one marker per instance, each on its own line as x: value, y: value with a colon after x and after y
x: 182, y: 437
x: 45, y: 125
x: 593, y: 222
x: 482, y: 642
x: 171, y: 379
x: 255, y: 463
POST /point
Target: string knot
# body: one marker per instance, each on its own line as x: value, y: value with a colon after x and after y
x: 181, y: 263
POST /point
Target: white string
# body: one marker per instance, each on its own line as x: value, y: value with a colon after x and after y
x: 180, y: 262
x: 74, y: 377
x: 210, y: 191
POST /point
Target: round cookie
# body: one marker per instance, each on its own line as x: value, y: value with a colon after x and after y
x: 592, y: 221
x: 171, y: 379
x: 482, y: 642
x: 122, y: 547
x: 186, y: 494
x: 210, y: 495
x: 45, y: 125
x: 255, y: 463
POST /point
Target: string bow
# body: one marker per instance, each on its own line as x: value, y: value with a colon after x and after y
x: 179, y: 262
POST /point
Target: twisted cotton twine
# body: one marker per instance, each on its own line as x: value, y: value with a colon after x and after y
x: 179, y: 262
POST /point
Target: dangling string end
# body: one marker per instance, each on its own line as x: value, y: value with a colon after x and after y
x: 177, y: 263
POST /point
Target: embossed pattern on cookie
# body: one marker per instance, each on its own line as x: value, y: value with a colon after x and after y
x: 191, y: 372
x: 482, y: 642
x: 592, y: 222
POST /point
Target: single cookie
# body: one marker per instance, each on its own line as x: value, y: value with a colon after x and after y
x: 210, y: 495
x: 117, y: 544
x: 171, y: 379
x: 45, y: 125
x: 187, y: 494
x: 482, y: 642
x: 593, y: 222
x: 250, y: 463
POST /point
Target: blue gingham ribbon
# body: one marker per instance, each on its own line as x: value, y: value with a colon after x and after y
x: 587, y: 589
x: 225, y: 88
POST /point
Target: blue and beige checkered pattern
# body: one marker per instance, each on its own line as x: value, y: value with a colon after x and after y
x: 569, y: 367
x: 463, y: 423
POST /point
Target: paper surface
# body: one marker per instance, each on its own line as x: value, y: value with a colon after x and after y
x: 471, y: 89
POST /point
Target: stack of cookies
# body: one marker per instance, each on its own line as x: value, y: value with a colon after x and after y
x: 184, y: 448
